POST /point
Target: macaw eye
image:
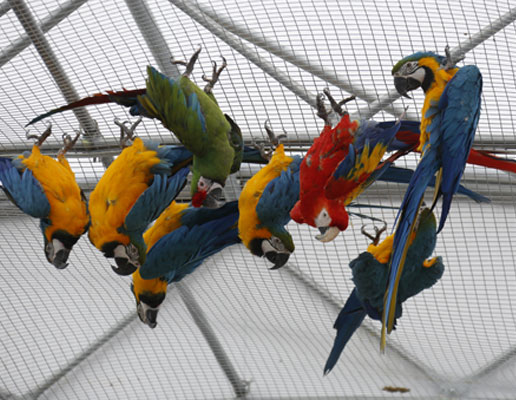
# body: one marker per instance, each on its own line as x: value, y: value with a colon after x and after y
x: 277, y: 243
x: 132, y: 252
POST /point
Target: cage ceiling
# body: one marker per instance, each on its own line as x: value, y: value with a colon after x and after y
x: 234, y: 328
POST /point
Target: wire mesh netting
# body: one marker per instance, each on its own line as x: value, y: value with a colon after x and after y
x: 74, y: 333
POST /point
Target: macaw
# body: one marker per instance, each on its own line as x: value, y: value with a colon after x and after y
x: 339, y: 165
x: 46, y: 189
x: 408, y: 136
x: 194, y: 117
x: 138, y: 185
x: 370, y: 273
x: 178, y: 242
x: 449, y: 120
x: 264, y: 206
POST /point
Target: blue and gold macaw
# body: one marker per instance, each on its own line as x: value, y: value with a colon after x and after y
x: 134, y: 190
x: 45, y: 188
x: 449, y: 120
x: 179, y: 242
x: 194, y: 117
x: 370, y: 275
x: 264, y: 206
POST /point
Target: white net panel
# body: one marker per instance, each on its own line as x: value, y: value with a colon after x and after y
x: 75, y: 334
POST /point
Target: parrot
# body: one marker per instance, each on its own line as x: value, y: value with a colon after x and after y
x: 264, y: 206
x: 138, y: 185
x: 194, y: 117
x: 45, y: 188
x: 408, y: 136
x: 450, y: 117
x: 179, y: 242
x: 339, y: 165
x: 370, y: 273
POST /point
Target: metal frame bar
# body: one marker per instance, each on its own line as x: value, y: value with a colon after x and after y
x: 46, y: 53
x: 47, y: 23
x: 161, y: 53
x: 299, y: 61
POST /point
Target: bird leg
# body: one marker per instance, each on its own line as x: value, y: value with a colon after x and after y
x: 378, y: 232
x: 267, y: 149
x: 450, y: 63
x: 41, y: 138
x: 322, y: 112
x: 126, y: 133
x: 68, y: 142
x: 337, y: 107
x: 214, y: 75
x: 190, y: 64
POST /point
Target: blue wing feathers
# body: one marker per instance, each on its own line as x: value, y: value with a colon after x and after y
x: 23, y: 190
x: 154, y: 200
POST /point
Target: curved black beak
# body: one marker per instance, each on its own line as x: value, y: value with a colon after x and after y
x: 151, y: 315
x: 124, y: 267
x: 402, y: 86
x: 214, y: 199
x: 61, y: 258
x: 278, y: 259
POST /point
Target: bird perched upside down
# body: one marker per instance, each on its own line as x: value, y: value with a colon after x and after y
x: 134, y: 190
x: 46, y: 189
x: 194, y: 117
x: 179, y: 242
x: 449, y: 120
x: 265, y: 204
x: 370, y: 276
x: 337, y: 168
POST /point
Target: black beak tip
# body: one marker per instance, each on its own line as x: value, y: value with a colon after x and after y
x: 278, y: 259
x: 402, y: 86
x: 152, y: 315
x: 123, y: 267
x: 60, y: 259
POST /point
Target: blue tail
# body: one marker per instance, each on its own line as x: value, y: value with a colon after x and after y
x: 407, y: 215
x: 348, y: 321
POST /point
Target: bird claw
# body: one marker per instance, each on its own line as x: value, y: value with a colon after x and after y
x: 322, y: 112
x: 126, y: 133
x: 190, y: 64
x: 214, y: 75
x: 450, y: 63
x: 68, y: 142
x: 267, y: 149
x: 40, y: 138
x: 378, y: 232
x: 274, y: 139
x: 337, y: 107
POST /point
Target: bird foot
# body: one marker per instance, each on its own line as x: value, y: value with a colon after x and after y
x: 267, y: 149
x: 190, y: 64
x: 377, y: 232
x: 41, y: 138
x: 214, y: 75
x: 68, y: 142
x: 337, y: 107
x: 126, y: 133
x: 450, y: 62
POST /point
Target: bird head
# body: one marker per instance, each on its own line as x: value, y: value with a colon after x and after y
x: 277, y: 248
x: 58, y: 244
x: 417, y: 70
x: 329, y: 216
x: 208, y: 193
x: 149, y: 295
x: 127, y: 257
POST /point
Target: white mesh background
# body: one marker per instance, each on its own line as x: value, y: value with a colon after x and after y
x: 74, y: 334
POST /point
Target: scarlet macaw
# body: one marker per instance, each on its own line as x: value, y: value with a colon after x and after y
x: 339, y: 165
x: 194, y: 116
x: 46, y: 189
x: 370, y: 274
x: 179, y: 242
x: 449, y: 120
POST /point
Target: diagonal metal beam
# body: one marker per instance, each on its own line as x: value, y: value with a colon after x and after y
x: 47, y: 23
x: 299, y: 61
